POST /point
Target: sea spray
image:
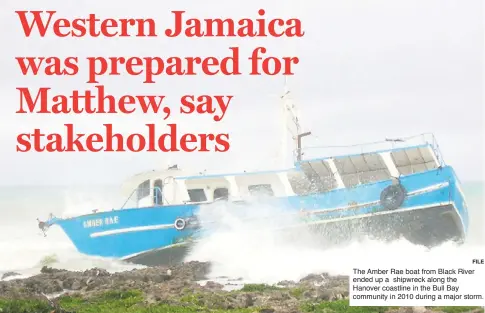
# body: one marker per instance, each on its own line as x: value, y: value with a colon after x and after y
x: 246, y: 242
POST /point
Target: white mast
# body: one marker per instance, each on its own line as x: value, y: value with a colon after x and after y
x: 285, y: 154
x: 291, y: 126
x: 290, y: 116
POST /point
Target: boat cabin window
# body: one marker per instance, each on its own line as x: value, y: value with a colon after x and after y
x: 143, y: 190
x: 158, y: 192
x: 264, y: 189
x: 221, y: 193
x: 197, y: 195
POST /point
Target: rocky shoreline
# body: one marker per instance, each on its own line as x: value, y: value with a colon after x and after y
x: 178, y: 289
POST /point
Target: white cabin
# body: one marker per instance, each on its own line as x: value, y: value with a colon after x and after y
x: 175, y: 187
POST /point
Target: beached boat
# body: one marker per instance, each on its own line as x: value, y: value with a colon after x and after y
x: 389, y: 189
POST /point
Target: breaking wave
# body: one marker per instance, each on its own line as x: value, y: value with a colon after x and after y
x: 245, y: 244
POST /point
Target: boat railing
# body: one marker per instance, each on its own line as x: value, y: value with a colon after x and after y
x: 155, y: 194
x: 322, y: 152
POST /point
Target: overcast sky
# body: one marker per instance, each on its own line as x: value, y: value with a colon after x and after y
x: 369, y: 70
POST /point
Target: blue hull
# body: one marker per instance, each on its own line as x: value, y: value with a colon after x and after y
x: 128, y: 233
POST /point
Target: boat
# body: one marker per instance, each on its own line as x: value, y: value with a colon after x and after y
x: 394, y: 188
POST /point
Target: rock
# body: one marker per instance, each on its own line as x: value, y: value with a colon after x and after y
x: 307, y: 294
x: 286, y: 283
x: 244, y: 300
x: 97, y: 272
x: 179, y: 285
x: 325, y: 295
x: 341, y: 292
x: 401, y: 310
x: 213, y: 285
x: 314, y: 278
x: 193, y: 270
x: 278, y: 296
x: 76, y: 285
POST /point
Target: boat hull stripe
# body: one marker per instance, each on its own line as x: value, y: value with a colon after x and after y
x: 130, y: 230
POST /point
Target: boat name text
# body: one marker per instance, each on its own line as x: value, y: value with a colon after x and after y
x: 101, y: 221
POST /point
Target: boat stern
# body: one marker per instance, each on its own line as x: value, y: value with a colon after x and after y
x: 426, y: 208
x: 396, y: 188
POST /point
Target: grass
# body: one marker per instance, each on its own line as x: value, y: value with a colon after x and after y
x: 342, y: 306
x: 24, y: 306
x: 132, y: 301
x: 258, y: 288
x: 111, y: 302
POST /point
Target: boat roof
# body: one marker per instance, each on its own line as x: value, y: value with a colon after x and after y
x: 323, y: 152
x: 245, y: 173
x: 133, y: 182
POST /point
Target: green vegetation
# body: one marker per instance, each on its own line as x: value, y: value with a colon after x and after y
x: 113, y: 302
x: 24, y: 306
x: 296, y: 292
x: 259, y: 288
x: 341, y: 306
x: 133, y: 301
x: 49, y: 260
